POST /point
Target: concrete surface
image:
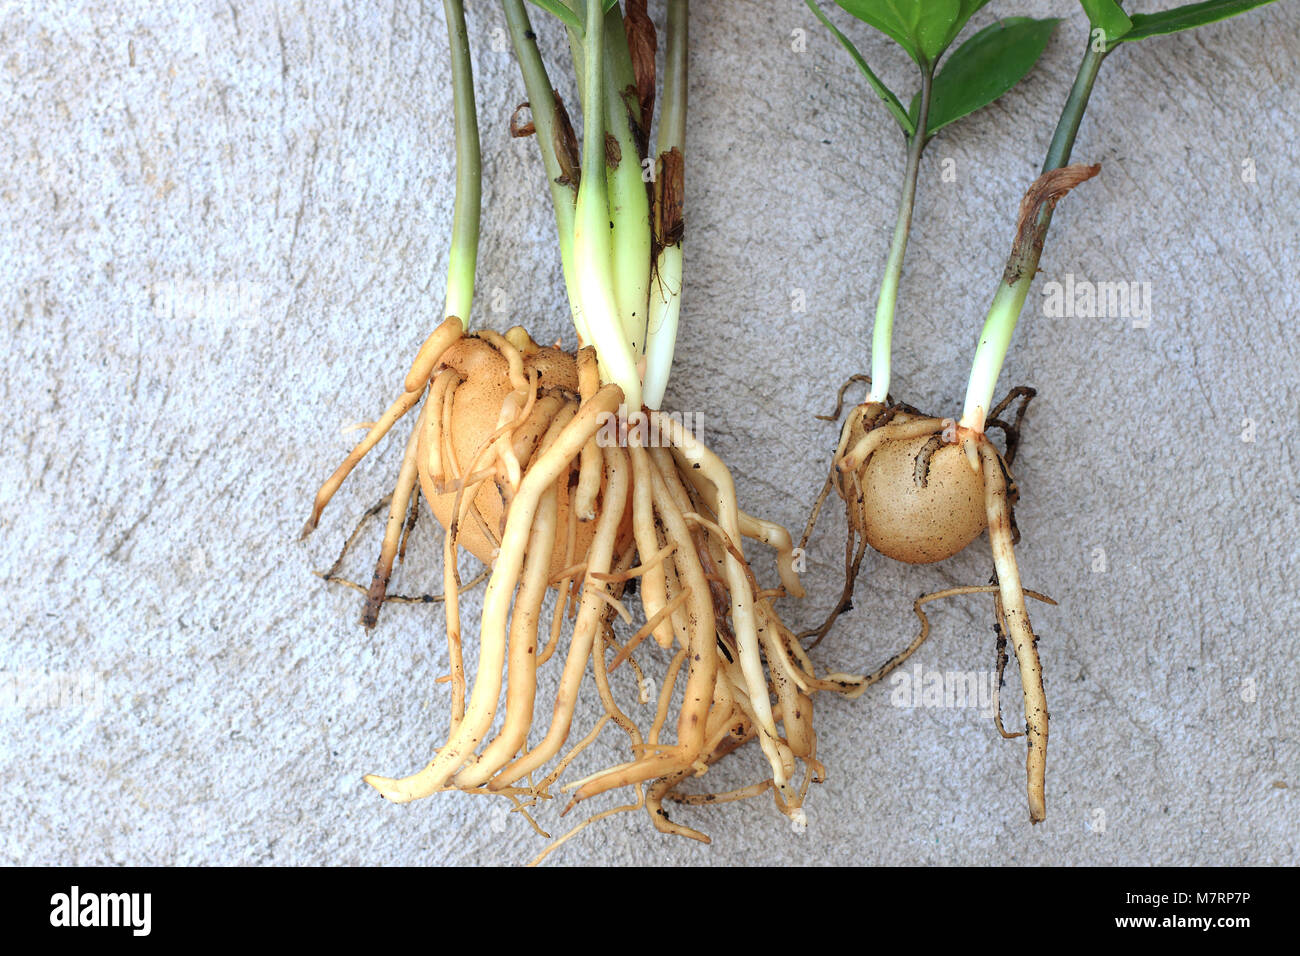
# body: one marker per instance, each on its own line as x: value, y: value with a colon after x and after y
x: 223, y: 238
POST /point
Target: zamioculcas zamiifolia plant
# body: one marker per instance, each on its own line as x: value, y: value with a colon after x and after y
x: 920, y: 488
x: 560, y: 470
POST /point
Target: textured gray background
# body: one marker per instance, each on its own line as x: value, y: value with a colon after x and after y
x: 165, y: 438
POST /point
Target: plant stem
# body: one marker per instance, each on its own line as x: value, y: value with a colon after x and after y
x: 463, y: 253
x: 666, y: 286
x: 883, y: 333
x: 592, y: 250
x: 1067, y: 127
x: 548, y: 125
x: 629, y: 206
x: 1012, y: 290
x: 575, y: 48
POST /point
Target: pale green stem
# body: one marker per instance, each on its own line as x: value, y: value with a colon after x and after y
x: 546, y: 121
x: 883, y: 333
x: 463, y: 254
x: 666, y: 284
x: 575, y: 48
x: 1009, y: 299
x: 592, y: 246
x: 629, y: 205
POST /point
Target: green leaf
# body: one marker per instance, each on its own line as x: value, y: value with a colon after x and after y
x: 566, y: 13
x: 984, y: 67
x: 885, y: 93
x: 1184, y: 18
x: 558, y: 8
x: 1109, y: 17
x: 924, y: 28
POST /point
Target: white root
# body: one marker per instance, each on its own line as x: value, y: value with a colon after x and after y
x: 654, y: 583
x: 407, y: 479
x: 868, y: 443
x: 592, y: 608
x: 521, y: 674
x: 769, y: 532
x: 496, y: 607
x: 686, y: 446
x: 1018, y: 626
x: 701, y: 672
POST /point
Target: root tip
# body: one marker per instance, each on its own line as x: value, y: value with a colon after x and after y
x: 388, y: 788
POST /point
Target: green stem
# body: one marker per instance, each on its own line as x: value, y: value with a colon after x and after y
x: 883, y: 333
x: 463, y: 254
x: 666, y: 286
x: 629, y: 206
x: 1067, y: 127
x: 592, y: 247
x: 575, y: 47
x: 672, y: 112
x: 1009, y: 300
x: 548, y: 124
